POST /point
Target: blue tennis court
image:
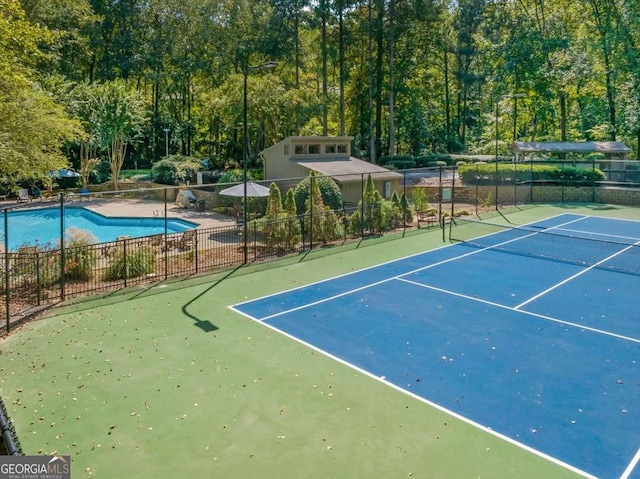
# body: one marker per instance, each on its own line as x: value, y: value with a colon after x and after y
x: 530, y: 333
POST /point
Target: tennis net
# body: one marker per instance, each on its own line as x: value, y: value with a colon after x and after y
x: 621, y: 254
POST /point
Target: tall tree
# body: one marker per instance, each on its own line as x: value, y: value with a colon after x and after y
x: 33, y: 126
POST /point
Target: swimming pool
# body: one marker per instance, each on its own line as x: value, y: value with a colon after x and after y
x: 41, y: 226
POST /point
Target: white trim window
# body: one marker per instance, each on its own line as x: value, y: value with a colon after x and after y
x: 343, y: 148
x: 330, y: 149
x: 314, y: 149
x: 301, y: 149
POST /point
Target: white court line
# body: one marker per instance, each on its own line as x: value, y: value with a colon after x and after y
x: 426, y: 401
x: 580, y: 273
x: 541, y: 316
x: 390, y: 262
x: 634, y: 462
x: 361, y: 288
x: 570, y: 230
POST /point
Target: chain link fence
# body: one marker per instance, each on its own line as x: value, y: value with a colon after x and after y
x: 77, y: 244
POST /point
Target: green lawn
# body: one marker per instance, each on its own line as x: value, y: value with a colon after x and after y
x: 168, y: 382
x: 139, y: 174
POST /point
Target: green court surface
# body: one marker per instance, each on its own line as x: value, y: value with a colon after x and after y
x: 168, y: 382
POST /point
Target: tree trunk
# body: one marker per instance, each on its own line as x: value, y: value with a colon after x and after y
x: 372, y: 141
x: 392, y: 145
x: 379, y: 76
x: 323, y: 12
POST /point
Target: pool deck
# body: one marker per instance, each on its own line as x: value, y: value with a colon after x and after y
x: 147, y: 208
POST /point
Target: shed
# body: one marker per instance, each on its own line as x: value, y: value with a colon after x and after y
x: 294, y: 157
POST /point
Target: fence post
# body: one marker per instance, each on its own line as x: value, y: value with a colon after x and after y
x: 126, y: 265
x: 310, y: 229
x: 497, y: 183
x: 477, y: 187
x: 38, y: 283
x: 166, y: 231
x: 361, y: 205
x: 7, y: 295
x: 62, y: 252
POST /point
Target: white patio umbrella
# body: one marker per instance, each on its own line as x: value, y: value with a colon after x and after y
x: 253, y: 190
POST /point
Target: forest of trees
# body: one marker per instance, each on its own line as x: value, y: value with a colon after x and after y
x: 116, y: 78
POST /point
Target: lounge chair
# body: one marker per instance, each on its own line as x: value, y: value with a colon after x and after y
x: 23, y: 195
x: 186, y: 199
x: 185, y: 241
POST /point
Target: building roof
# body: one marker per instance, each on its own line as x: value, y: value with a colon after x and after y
x: 607, y: 147
x: 314, y: 138
x: 346, y: 170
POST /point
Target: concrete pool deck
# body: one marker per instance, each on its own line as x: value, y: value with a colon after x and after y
x: 150, y: 208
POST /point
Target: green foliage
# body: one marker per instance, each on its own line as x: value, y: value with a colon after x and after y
x: 419, y: 198
x: 272, y: 225
x: 80, y: 255
x: 136, y: 261
x: 405, y: 208
x: 33, y: 125
x: 101, y: 173
x: 399, y: 162
x: 371, y: 215
x: 164, y: 172
x: 485, y: 174
x: 329, y: 190
x: 320, y: 222
x: 188, y: 69
x: 174, y: 169
x: 434, y: 160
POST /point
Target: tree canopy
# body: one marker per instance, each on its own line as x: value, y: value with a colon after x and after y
x: 400, y: 76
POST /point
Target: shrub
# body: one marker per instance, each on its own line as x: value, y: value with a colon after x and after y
x: 331, y: 194
x: 164, y: 172
x: 398, y: 161
x: 434, y: 160
x: 101, y: 174
x: 407, y: 214
x: 485, y: 174
x: 80, y: 255
x: 401, y: 164
x: 174, y: 169
x: 136, y: 262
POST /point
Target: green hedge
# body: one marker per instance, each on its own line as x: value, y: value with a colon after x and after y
x: 485, y: 174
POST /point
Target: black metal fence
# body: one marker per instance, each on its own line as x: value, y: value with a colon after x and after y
x: 40, y: 270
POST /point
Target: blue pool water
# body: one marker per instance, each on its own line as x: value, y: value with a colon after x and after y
x: 42, y: 226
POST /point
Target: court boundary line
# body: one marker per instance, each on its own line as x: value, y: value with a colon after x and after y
x: 632, y: 465
x: 453, y: 293
x: 579, y: 273
x: 443, y: 409
x: 632, y: 238
x: 390, y: 278
x: 523, y: 311
x: 401, y: 259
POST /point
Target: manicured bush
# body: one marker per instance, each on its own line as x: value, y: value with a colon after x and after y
x: 164, y: 172
x: 331, y: 194
x: 434, y: 160
x: 485, y: 174
x: 175, y: 168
